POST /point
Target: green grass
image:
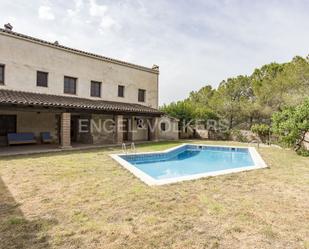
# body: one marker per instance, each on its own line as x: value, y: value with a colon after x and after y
x: 86, y: 200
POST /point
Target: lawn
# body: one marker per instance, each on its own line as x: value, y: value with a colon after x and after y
x: 86, y: 200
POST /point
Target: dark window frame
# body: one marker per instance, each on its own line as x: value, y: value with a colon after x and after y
x: 121, y: 92
x: 6, y: 124
x: 41, y: 84
x: 141, y: 98
x: 67, y: 89
x: 3, y: 74
x: 93, y: 89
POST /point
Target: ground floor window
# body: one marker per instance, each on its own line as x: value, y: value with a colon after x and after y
x: 7, y: 124
x: 163, y: 126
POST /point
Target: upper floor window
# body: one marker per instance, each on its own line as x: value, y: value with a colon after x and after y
x: 41, y: 79
x: 95, y: 90
x: 120, y: 91
x: 1, y: 74
x: 141, y: 95
x: 69, y: 85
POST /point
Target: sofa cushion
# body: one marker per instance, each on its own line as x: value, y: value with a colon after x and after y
x: 21, y: 137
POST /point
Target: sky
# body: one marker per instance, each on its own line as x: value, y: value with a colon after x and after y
x: 195, y: 43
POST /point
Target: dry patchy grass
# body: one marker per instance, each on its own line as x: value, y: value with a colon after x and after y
x: 86, y: 200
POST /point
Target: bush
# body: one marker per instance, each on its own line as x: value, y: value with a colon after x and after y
x: 262, y: 130
x: 238, y: 136
x: 303, y: 152
x: 291, y: 125
x: 218, y: 135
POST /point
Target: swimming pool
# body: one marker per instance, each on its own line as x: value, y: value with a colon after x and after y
x: 189, y: 161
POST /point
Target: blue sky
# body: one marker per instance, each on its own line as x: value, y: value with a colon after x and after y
x: 194, y: 42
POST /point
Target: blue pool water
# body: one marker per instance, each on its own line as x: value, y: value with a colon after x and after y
x: 190, y: 160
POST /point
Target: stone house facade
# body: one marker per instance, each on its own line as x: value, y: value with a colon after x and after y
x: 47, y: 87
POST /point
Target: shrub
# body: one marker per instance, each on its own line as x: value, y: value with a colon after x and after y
x: 303, y: 152
x: 238, y: 136
x: 291, y: 125
x: 262, y: 130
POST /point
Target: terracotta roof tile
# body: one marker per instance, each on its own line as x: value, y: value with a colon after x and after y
x: 8, y: 97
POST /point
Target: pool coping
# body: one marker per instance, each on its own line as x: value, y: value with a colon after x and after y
x: 259, y: 163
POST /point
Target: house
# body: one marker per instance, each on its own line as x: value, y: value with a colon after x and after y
x: 75, y: 96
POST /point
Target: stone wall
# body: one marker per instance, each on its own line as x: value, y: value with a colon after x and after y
x: 306, y: 144
x: 202, y: 134
x: 103, y: 135
x: 140, y: 132
x: 171, y: 132
x: 35, y: 122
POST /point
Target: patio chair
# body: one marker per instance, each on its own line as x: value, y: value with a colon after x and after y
x: 46, y: 137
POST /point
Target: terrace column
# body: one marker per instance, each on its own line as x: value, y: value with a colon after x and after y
x: 119, y: 129
x: 131, y: 128
x: 154, y: 129
x: 65, y: 130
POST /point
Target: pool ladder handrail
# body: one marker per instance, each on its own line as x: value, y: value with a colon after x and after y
x: 133, y: 148
x: 124, y: 148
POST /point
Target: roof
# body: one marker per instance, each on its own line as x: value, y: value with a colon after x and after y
x: 24, y: 99
x: 76, y: 51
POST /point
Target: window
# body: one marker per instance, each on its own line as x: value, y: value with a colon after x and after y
x: 141, y: 95
x: 1, y: 74
x: 41, y: 79
x: 95, y: 90
x: 7, y: 124
x: 69, y: 85
x: 163, y: 126
x: 120, y: 91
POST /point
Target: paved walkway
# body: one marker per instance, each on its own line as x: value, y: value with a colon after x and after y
x: 15, y: 150
x: 43, y: 148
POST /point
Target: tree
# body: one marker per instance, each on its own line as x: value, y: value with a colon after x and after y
x: 243, y: 101
x: 230, y: 97
x: 202, y: 96
x: 268, y: 88
x: 292, y: 124
x: 296, y: 78
x: 182, y: 110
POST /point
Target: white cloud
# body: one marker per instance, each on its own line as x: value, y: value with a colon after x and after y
x: 45, y: 13
x: 100, y: 14
x: 97, y: 9
x: 78, y: 5
x: 107, y: 23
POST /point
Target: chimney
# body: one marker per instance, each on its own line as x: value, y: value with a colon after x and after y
x: 8, y: 27
x: 155, y: 67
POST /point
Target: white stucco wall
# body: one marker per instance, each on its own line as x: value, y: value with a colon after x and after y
x: 23, y: 58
